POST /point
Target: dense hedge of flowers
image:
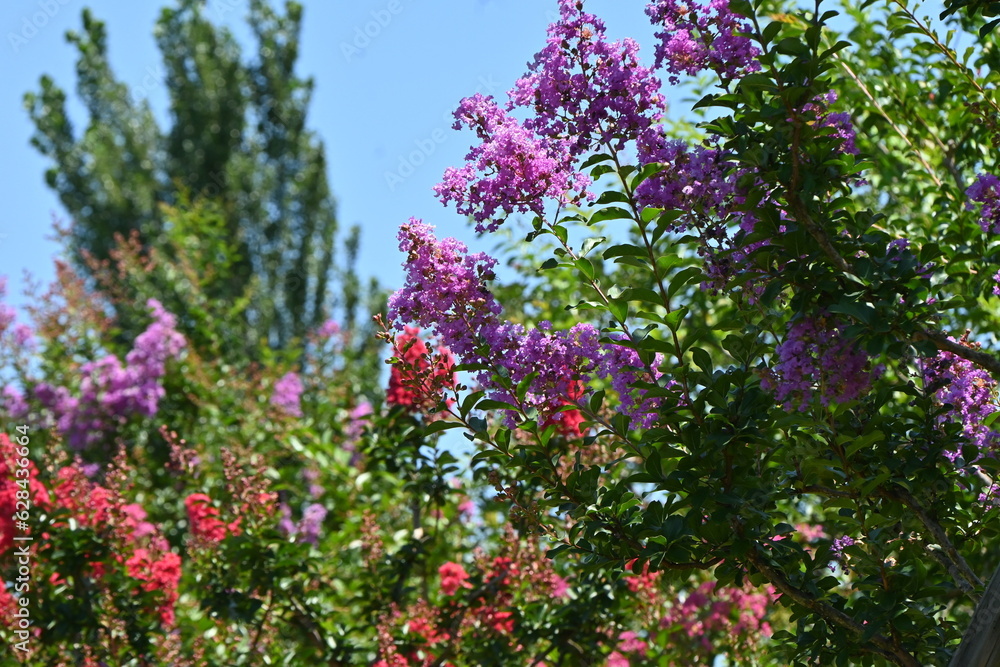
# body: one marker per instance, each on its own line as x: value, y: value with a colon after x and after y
x: 737, y: 422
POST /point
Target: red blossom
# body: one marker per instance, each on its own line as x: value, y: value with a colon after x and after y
x: 421, y: 378
x: 15, y: 478
x: 203, y: 517
x: 453, y: 576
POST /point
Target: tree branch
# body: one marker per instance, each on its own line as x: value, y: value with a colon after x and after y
x: 882, y: 644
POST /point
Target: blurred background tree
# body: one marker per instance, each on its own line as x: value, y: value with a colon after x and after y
x: 237, y: 136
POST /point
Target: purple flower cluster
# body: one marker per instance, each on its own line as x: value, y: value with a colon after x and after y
x: 445, y: 291
x: 697, y: 37
x: 287, y: 394
x: 837, y: 549
x: 586, y: 90
x: 309, y: 528
x: 815, y: 356
x: 510, y: 171
x: 694, y: 179
x: 970, y: 391
x: 110, y: 392
x: 698, y: 182
x: 841, y: 122
x: 986, y: 191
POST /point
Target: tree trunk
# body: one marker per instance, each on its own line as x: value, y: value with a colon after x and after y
x: 980, y: 645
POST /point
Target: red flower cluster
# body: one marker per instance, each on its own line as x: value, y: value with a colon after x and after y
x: 143, y: 552
x: 204, y: 519
x: 421, y: 378
x: 20, y: 489
x: 453, y: 577
x: 160, y: 570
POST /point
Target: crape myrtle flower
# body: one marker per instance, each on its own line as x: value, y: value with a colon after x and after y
x: 702, y: 36
x: 511, y: 171
x: 287, y: 394
x: 584, y: 89
x: 970, y: 392
x: 445, y: 291
x: 986, y: 191
x: 815, y: 353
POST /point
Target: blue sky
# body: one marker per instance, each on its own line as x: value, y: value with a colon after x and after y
x: 387, y: 75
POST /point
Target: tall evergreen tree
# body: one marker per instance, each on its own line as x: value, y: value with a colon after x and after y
x: 237, y: 134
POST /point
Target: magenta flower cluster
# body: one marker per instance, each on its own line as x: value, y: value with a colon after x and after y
x: 694, y: 179
x: 287, y: 394
x: 971, y: 394
x: 816, y: 357
x: 110, y: 392
x: 697, y: 37
x: 586, y: 90
x: 446, y: 291
x: 510, y: 171
x: 986, y: 191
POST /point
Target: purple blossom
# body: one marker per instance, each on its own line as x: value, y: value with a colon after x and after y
x: 815, y: 356
x: 445, y: 291
x: 837, y: 549
x: 329, y: 329
x: 310, y: 526
x: 13, y: 402
x: 109, y: 392
x: 697, y: 37
x: 694, y: 179
x: 970, y: 391
x: 510, y: 171
x: 586, y: 90
x: 986, y: 191
x: 841, y: 122
x: 312, y: 523
x: 287, y: 394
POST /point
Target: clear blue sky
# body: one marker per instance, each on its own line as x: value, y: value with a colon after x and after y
x: 382, y: 103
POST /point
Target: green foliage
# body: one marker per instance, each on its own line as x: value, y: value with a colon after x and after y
x: 238, y: 137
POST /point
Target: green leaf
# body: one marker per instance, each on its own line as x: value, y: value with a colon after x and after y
x: 609, y: 213
x: 674, y: 319
x: 586, y: 267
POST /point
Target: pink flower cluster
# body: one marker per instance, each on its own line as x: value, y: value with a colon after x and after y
x: 714, y: 610
x: 815, y: 354
x: 110, y: 392
x: 446, y: 291
x: 510, y: 171
x: 287, y: 394
x: 697, y: 37
x: 585, y: 90
x: 971, y: 394
x: 694, y: 180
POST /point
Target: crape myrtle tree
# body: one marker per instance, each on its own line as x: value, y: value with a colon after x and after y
x: 237, y: 134
x: 775, y: 360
